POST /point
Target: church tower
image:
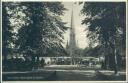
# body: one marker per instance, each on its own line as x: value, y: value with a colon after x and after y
x: 72, y: 41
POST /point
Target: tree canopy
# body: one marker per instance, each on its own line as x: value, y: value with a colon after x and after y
x: 38, y: 26
x: 106, y: 22
x: 106, y: 25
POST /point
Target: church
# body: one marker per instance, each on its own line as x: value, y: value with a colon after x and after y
x: 71, y: 46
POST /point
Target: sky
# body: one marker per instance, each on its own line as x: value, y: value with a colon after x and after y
x: 81, y: 38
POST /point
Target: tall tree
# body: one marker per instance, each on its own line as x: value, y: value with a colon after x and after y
x: 106, y: 25
x: 7, y: 34
x: 10, y: 22
x: 43, y: 30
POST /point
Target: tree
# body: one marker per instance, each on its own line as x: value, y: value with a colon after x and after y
x: 93, y: 51
x: 106, y: 25
x: 11, y: 20
x: 7, y: 34
x: 43, y: 30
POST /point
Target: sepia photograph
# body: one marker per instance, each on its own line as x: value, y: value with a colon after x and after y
x: 63, y: 41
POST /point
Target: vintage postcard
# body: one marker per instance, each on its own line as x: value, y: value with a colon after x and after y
x: 72, y: 41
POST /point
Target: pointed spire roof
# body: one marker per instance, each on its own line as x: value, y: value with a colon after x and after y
x: 72, y: 41
x: 72, y: 19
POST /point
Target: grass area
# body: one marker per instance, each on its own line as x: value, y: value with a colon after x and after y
x: 109, y: 76
x: 24, y: 76
x: 70, y: 73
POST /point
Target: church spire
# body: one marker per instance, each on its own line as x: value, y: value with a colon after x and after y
x: 72, y: 22
x: 72, y: 41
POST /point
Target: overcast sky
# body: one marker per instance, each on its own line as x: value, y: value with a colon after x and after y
x: 79, y: 28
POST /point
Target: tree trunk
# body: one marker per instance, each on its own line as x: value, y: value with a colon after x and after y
x: 114, y: 53
x: 115, y: 59
x: 38, y: 62
x: 106, y: 56
x: 5, y: 61
x: 33, y: 62
x: 105, y: 63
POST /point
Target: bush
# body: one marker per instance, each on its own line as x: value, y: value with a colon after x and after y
x: 17, y: 64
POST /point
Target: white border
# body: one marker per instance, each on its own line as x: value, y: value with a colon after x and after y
x: 63, y: 0
x: 67, y: 81
x: 1, y: 40
x: 126, y: 42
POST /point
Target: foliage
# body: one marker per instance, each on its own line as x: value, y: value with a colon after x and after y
x: 45, y: 28
x: 32, y: 28
x: 104, y: 20
x: 93, y: 51
x: 7, y: 30
x: 106, y: 26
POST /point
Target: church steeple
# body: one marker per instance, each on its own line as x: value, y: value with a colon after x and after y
x: 72, y: 20
x: 72, y: 41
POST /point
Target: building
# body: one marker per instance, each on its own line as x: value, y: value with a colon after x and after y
x: 72, y: 44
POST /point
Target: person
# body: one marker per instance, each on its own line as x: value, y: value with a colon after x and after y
x: 79, y: 63
x: 42, y: 62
